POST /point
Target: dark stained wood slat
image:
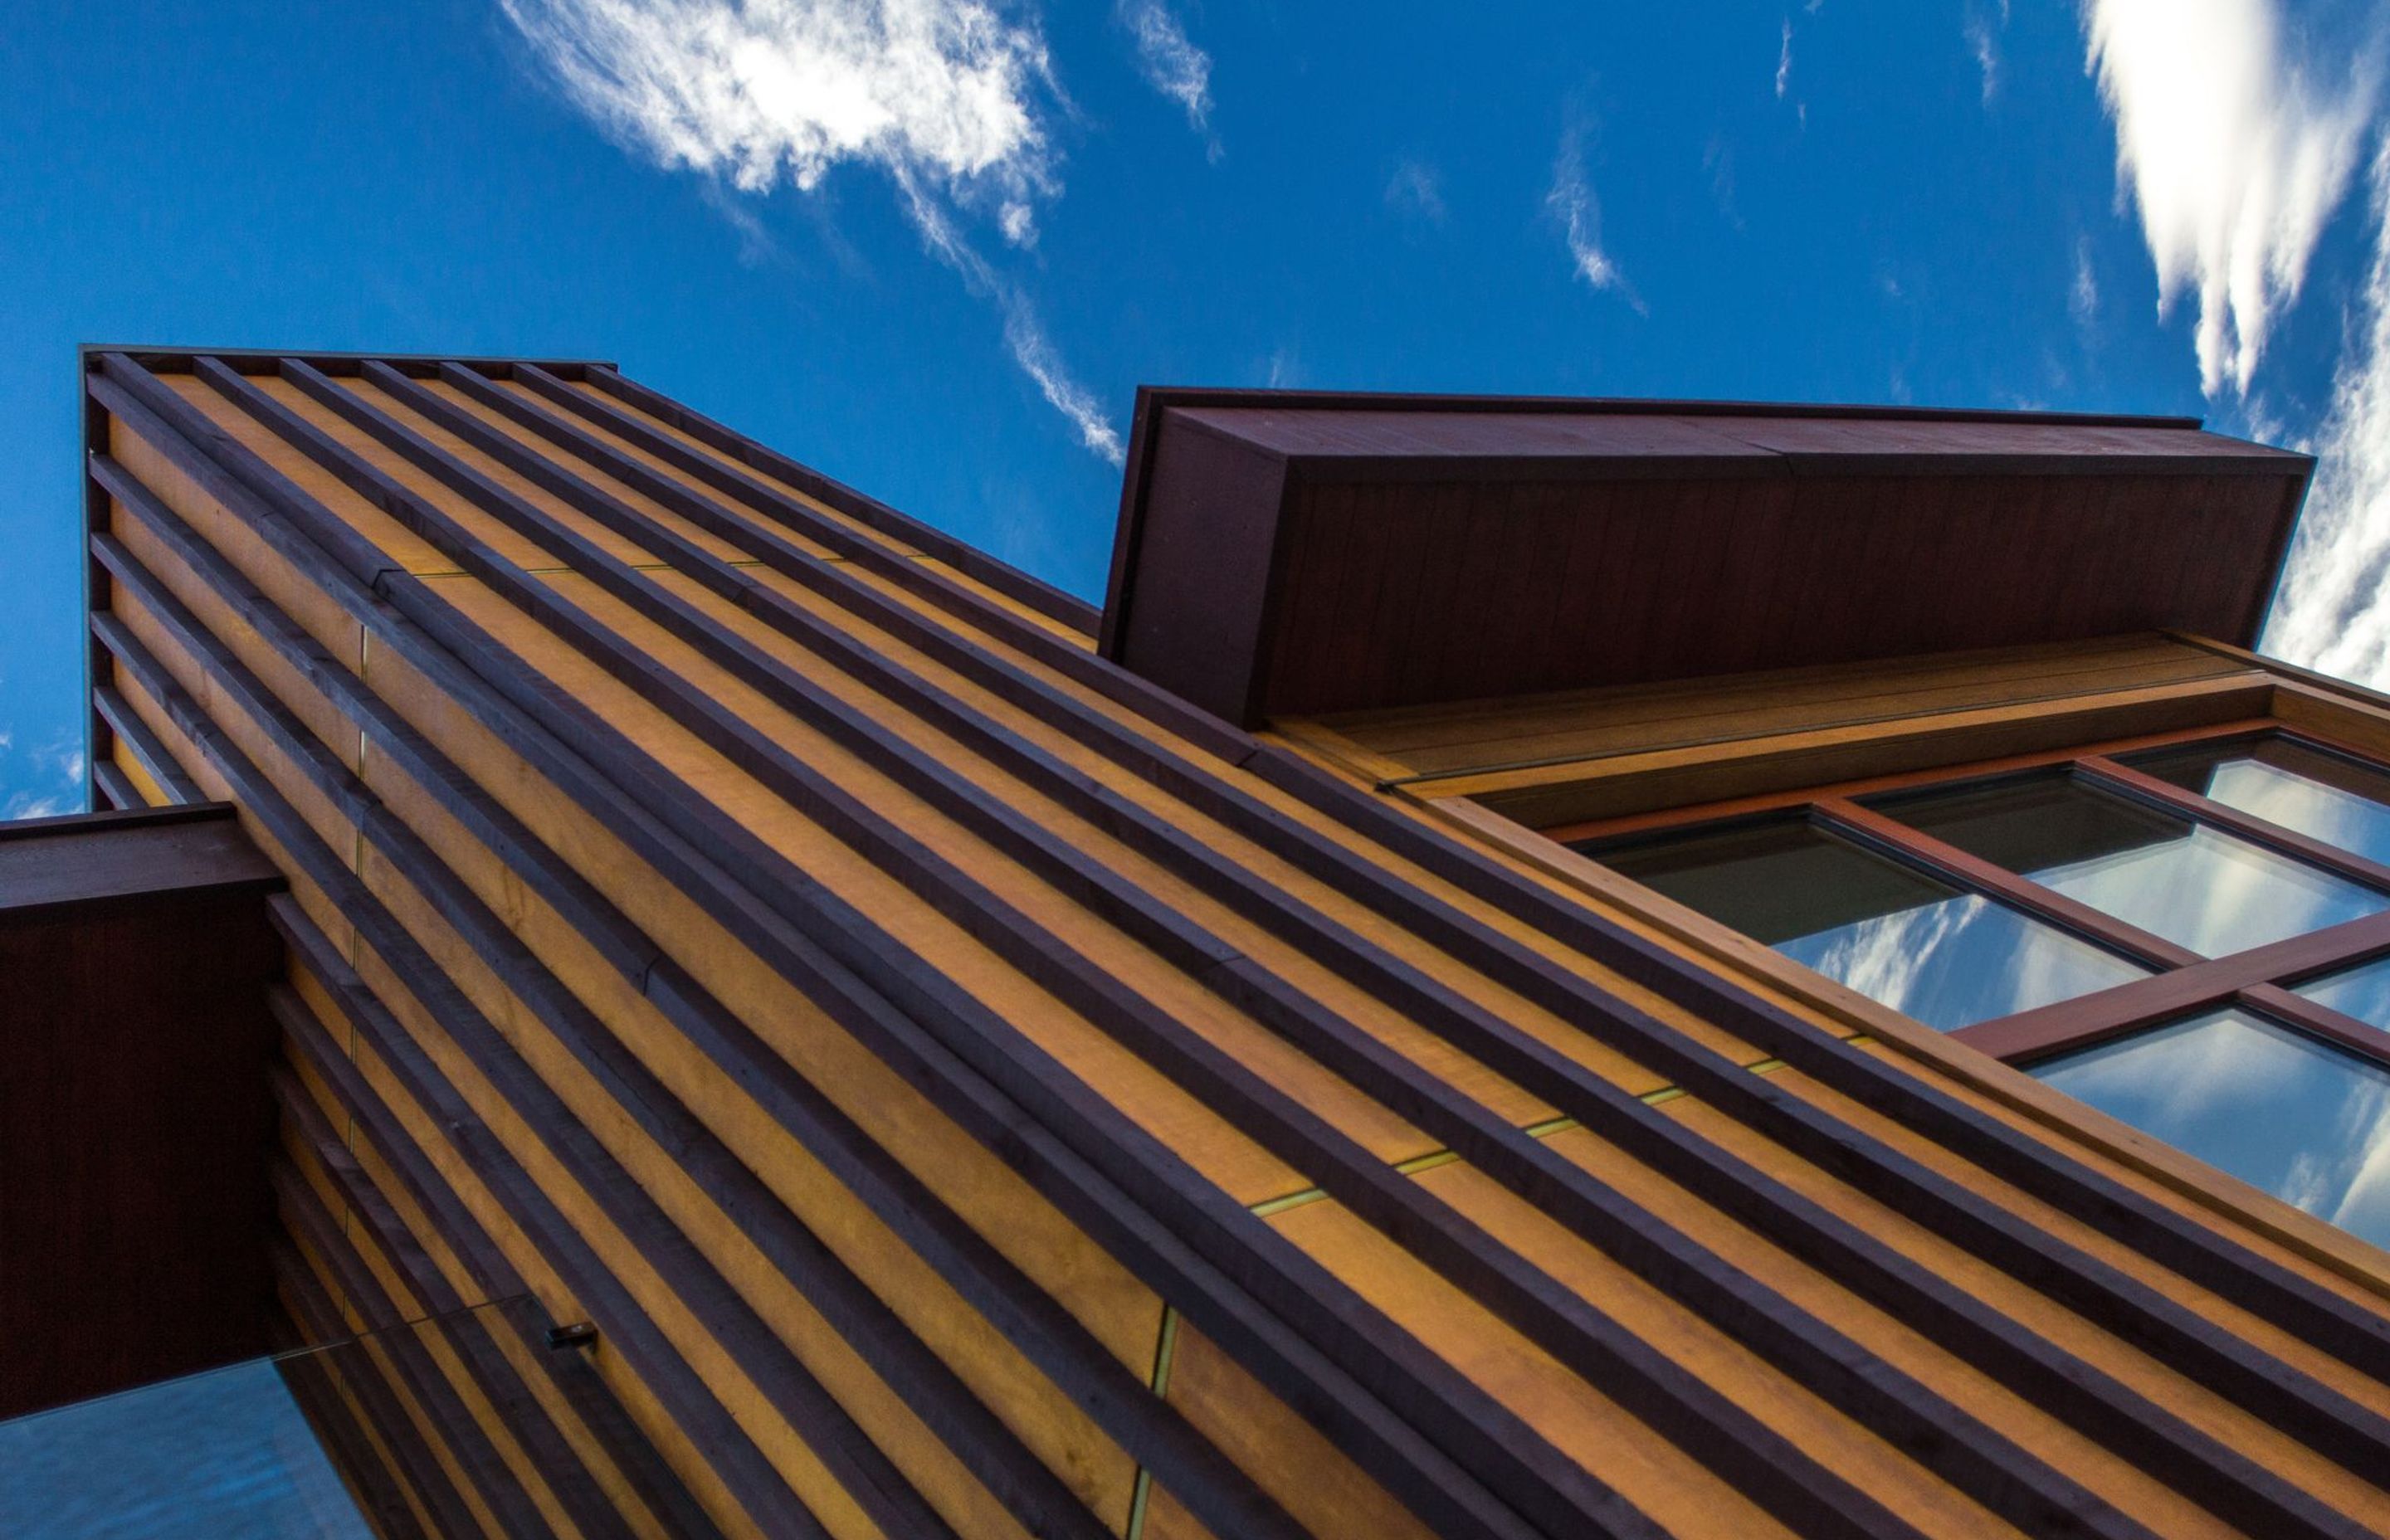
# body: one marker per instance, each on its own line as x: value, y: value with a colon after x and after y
x: 759, y: 1485
x: 146, y: 747
x: 319, y: 1321
x: 1420, y: 1471
x: 1198, y: 953
x: 818, y: 710
x: 466, y: 1329
x: 858, y: 1464
x: 1802, y: 1342
x: 967, y: 560
x: 1107, y: 692
x: 410, y: 1369
x: 114, y: 790
x: 1080, y: 983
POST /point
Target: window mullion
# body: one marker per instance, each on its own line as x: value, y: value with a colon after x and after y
x: 2148, y: 1002
x: 2297, y: 1010
x: 1979, y: 876
x: 2146, y: 788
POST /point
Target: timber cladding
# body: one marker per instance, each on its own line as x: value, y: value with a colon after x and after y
x: 1288, y: 552
x: 974, y: 1092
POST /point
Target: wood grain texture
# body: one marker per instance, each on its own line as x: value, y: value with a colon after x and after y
x: 778, y: 939
x: 1296, y: 557
x: 134, y: 1124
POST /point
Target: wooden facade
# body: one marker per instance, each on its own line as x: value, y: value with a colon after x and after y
x: 974, y: 1090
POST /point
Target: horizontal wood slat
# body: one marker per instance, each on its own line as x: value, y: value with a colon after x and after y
x: 675, y: 795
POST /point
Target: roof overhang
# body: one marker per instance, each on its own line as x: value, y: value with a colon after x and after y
x: 136, y: 1121
x: 1284, y: 553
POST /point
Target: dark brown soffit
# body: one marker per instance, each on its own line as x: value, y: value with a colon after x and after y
x: 1295, y: 552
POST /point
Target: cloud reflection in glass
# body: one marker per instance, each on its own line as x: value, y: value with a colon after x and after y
x: 2282, y: 1111
x: 2317, y: 794
x: 1946, y: 957
x: 2198, y: 887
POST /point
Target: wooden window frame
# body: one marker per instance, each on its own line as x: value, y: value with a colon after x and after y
x: 2182, y: 984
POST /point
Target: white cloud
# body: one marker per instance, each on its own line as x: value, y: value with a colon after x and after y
x: 944, y: 97
x: 1572, y: 202
x: 49, y: 777
x: 1983, y: 42
x: 1173, y: 66
x: 755, y: 90
x: 2234, y: 152
x: 2083, y: 299
x: 1417, y: 188
x: 2329, y: 613
x: 1024, y: 333
x: 1784, y: 60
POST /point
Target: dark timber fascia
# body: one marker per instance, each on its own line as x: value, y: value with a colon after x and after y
x: 87, y: 863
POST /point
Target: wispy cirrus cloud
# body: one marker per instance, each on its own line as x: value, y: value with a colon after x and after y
x: 2083, y: 296
x: 1172, y: 65
x: 2234, y: 148
x: 2330, y: 614
x: 1417, y: 189
x: 946, y: 99
x: 42, y: 780
x: 2237, y: 138
x: 1983, y: 26
x: 1574, y: 207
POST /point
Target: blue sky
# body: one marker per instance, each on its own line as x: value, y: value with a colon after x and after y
x: 932, y: 246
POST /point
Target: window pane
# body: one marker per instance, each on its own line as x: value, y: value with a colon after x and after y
x: 2197, y: 887
x: 2317, y: 794
x: 2363, y: 993
x: 1946, y: 957
x: 2306, y: 1121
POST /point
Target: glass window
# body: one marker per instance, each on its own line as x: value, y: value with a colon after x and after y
x: 2301, y: 1119
x: 2197, y: 887
x: 2362, y: 992
x: 227, y: 1451
x: 2319, y: 795
x: 1946, y: 957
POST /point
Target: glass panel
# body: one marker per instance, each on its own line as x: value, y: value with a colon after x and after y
x: 256, y: 1449
x: 2320, y: 795
x: 2363, y: 993
x: 227, y: 1451
x: 1946, y: 957
x: 2303, y: 1120
x: 2198, y: 887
